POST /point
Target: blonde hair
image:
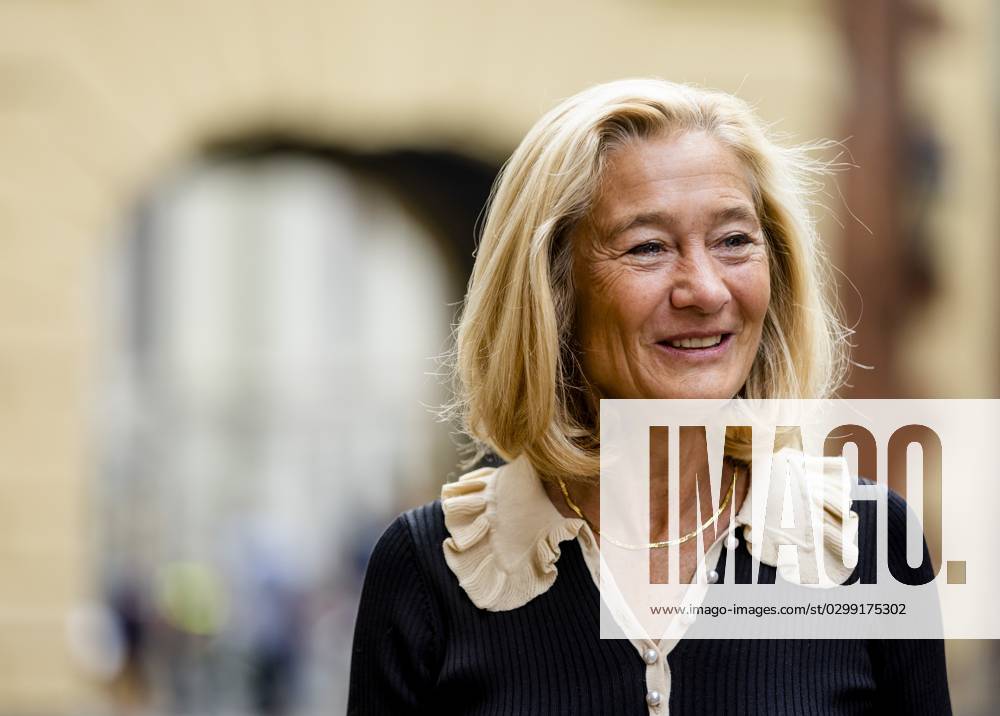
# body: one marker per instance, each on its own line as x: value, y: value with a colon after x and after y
x: 518, y: 386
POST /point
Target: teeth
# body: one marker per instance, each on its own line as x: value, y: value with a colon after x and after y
x: 706, y: 342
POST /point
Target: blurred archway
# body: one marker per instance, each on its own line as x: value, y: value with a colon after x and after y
x: 261, y: 419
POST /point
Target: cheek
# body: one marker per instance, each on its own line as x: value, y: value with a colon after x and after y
x: 618, y: 312
x: 607, y: 299
x: 754, y: 292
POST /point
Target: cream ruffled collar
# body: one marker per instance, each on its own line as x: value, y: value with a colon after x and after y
x: 505, y: 533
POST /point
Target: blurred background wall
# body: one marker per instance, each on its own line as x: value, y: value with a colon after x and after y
x: 233, y: 236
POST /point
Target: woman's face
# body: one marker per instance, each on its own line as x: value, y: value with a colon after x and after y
x: 670, y: 272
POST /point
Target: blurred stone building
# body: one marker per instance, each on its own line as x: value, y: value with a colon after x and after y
x: 114, y: 112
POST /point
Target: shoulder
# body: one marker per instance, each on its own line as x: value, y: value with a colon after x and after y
x: 898, y: 515
x: 897, y: 508
x: 425, y: 523
x: 413, y: 536
x: 406, y: 567
x: 400, y: 630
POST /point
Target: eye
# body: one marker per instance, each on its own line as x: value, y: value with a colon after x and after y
x: 736, y: 241
x: 649, y: 248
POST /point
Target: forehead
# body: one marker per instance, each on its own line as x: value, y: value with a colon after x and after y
x: 689, y: 176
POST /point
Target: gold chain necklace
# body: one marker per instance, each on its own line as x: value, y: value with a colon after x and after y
x: 652, y: 545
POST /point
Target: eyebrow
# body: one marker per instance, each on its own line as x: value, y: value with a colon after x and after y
x: 724, y: 215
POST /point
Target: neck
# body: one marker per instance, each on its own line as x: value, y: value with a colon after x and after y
x: 693, y: 486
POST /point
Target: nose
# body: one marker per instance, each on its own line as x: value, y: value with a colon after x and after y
x: 699, y: 284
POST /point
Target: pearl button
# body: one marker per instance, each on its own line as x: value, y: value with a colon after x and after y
x: 650, y: 656
x: 713, y: 576
x: 653, y: 698
x: 732, y: 542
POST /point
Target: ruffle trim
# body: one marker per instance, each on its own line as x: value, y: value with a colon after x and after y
x: 502, y: 566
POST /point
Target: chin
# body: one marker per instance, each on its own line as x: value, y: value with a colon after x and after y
x: 696, y: 392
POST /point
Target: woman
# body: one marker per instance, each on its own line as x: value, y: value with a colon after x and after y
x: 645, y: 240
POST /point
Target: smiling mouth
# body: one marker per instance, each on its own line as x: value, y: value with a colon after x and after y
x: 706, y: 342
x: 697, y: 343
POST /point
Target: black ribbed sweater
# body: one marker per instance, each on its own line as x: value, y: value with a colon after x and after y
x: 422, y: 647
